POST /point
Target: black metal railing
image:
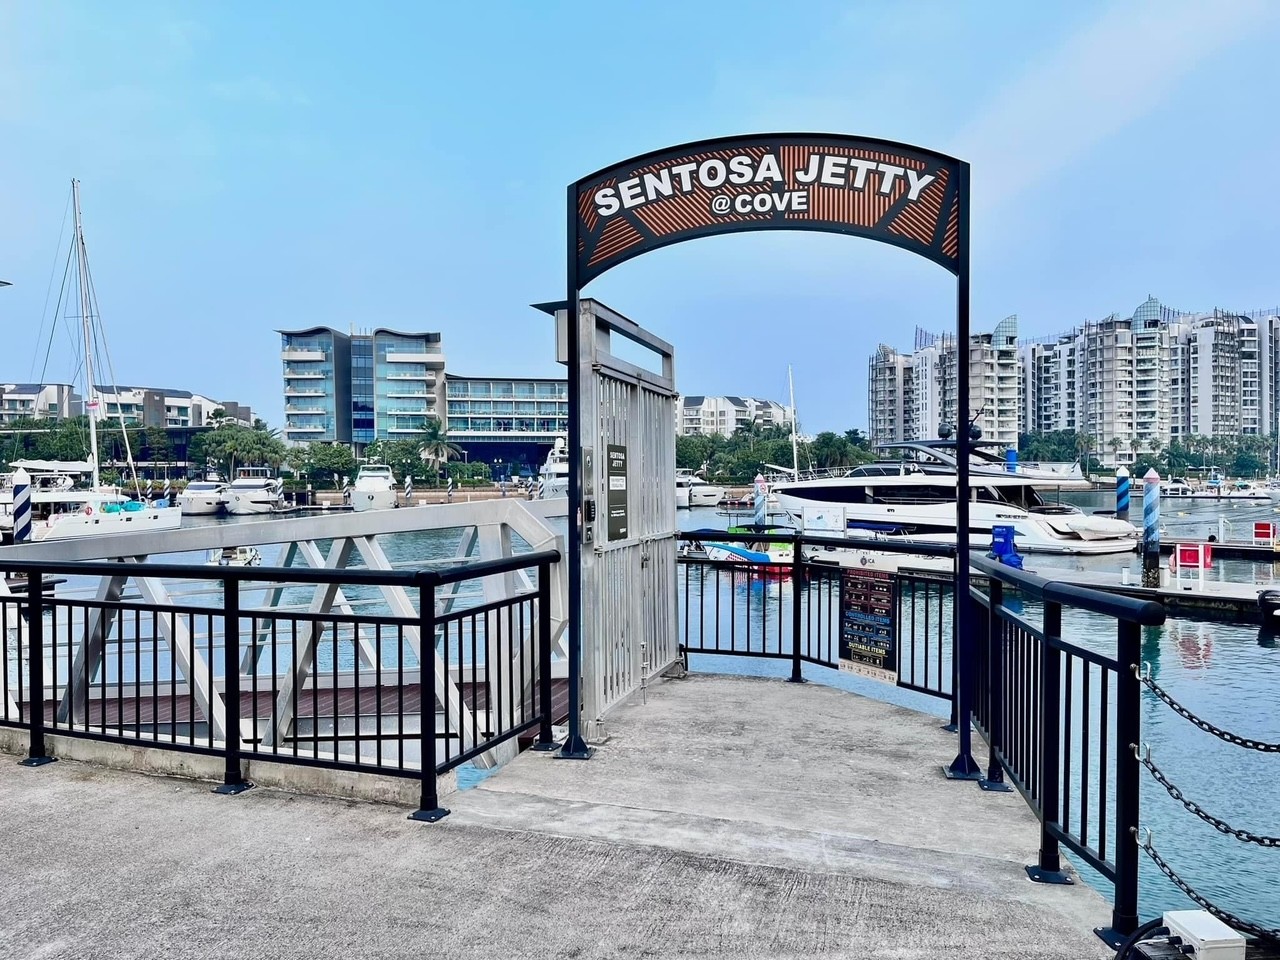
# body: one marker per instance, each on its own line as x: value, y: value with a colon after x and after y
x: 786, y: 609
x: 1058, y: 717
x: 1061, y: 720
x: 330, y: 669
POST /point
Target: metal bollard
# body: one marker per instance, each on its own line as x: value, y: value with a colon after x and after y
x: 1122, y: 493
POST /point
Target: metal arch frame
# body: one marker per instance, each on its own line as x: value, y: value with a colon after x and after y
x: 575, y: 747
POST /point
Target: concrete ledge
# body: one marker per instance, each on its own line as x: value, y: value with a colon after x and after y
x: 297, y: 778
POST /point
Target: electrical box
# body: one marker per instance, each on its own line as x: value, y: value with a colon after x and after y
x: 1207, y: 937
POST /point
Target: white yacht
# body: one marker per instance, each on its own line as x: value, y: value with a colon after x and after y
x: 920, y: 506
x: 693, y: 491
x: 234, y: 557
x: 985, y: 459
x: 374, y: 488
x: 254, y: 490
x: 202, y: 498
x: 553, y: 479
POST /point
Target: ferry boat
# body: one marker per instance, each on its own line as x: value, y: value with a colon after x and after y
x: 374, y: 488
x: 254, y: 490
x: 920, y: 507
x: 202, y: 498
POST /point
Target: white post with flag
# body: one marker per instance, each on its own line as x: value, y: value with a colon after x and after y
x: 21, y: 506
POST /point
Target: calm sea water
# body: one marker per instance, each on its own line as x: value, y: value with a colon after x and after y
x: 1227, y: 673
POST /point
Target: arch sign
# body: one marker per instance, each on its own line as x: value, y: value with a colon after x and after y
x: 895, y: 193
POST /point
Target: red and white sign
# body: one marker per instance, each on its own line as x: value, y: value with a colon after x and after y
x: 1193, y: 555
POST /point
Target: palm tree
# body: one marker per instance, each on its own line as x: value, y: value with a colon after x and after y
x: 434, y: 447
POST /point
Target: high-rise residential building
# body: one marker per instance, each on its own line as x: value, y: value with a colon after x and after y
x: 360, y: 387
x: 1129, y: 385
x: 700, y: 415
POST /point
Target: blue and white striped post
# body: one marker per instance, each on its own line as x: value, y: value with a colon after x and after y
x: 761, y: 502
x: 21, y: 506
x: 1122, y: 493
x: 1151, y: 529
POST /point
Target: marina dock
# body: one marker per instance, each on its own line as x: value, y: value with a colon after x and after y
x: 725, y: 817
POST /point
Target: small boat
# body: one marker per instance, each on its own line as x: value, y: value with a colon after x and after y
x: 202, y: 498
x: 773, y: 559
x: 1269, y: 605
x: 254, y: 490
x: 234, y: 557
x: 374, y: 488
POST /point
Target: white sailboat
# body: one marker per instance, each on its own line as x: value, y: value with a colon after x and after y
x: 60, y: 511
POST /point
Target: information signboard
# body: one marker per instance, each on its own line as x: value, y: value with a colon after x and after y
x: 868, y: 635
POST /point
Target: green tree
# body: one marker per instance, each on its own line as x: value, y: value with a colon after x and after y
x: 435, y: 448
x: 320, y: 462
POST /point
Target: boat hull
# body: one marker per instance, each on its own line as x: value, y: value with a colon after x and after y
x: 201, y: 506
x: 362, y: 500
x: 98, y: 524
x: 242, y: 504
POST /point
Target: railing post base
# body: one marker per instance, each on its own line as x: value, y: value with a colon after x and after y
x: 796, y: 680
x: 951, y: 727
x: 963, y: 767
x: 545, y: 747
x: 36, y: 761
x: 575, y: 748
x: 434, y: 815
x: 1112, y: 937
x: 996, y: 785
x: 1040, y: 875
x: 231, y: 789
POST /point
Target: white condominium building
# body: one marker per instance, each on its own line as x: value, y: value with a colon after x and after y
x: 701, y: 415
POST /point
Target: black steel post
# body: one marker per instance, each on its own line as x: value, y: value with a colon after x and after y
x: 575, y: 747
x: 797, y: 589
x: 994, y: 779
x: 1048, y: 867
x: 429, y: 809
x: 36, y: 751
x: 963, y: 767
x: 233, y: 780
x: 1124, y: 915
x: 545, y: 739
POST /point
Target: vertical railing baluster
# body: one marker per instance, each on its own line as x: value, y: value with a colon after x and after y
x: 233, y: 780
x: 1124, y: 917
x: 797, y: 575
x: 1048, y: 869
x: 546, y: 741
x: 37, y: 754
x: 994, y: 706
x: 429, y: 809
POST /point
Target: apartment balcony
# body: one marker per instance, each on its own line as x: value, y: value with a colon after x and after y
x: 293, y: 354
x: 304, y: 411
x: 416, y: 377
x: 304, y: 375
x: 399, y: 394
x: 303, y: 392
x: 295, y: 428
x: 432, y: 359
x: 407, y: 411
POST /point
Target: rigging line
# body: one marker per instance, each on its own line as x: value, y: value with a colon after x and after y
x: 101, y: 341
x: 53, y: 268
x: 53, y: 326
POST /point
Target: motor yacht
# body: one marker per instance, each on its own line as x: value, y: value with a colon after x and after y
x: 553, y: 478
x: 202, y: 498
x: 234, y: 557
x: 920, y: 506
x: 693, y: 491
x: 374, y: 488
x: 988, y: 460
x: 254, y: 490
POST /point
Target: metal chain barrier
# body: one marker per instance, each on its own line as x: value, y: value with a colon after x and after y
x: 1144, y: 675
x: 1144, y: 758
x: 1230, y: 919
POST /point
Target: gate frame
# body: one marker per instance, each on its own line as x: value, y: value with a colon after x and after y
x: 575, y: 747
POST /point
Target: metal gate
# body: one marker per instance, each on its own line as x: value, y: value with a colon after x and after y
x: 629, y: 511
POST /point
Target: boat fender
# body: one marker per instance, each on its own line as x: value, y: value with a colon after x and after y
x: 1173, y: 563
x: 88, y: 510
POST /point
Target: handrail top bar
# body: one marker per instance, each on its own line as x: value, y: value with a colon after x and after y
x: 301, y: 575
x: 1148, y: 613
x: 918, y: 548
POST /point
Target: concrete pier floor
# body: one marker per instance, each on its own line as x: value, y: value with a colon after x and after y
x: 726, y: 817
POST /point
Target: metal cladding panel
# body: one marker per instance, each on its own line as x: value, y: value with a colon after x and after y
x: 886, y: 191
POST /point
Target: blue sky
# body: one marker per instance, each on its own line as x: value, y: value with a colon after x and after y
x: 248, y: 166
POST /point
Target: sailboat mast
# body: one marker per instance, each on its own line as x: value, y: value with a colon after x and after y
x: 795, y: 425
x: 86, y: 321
